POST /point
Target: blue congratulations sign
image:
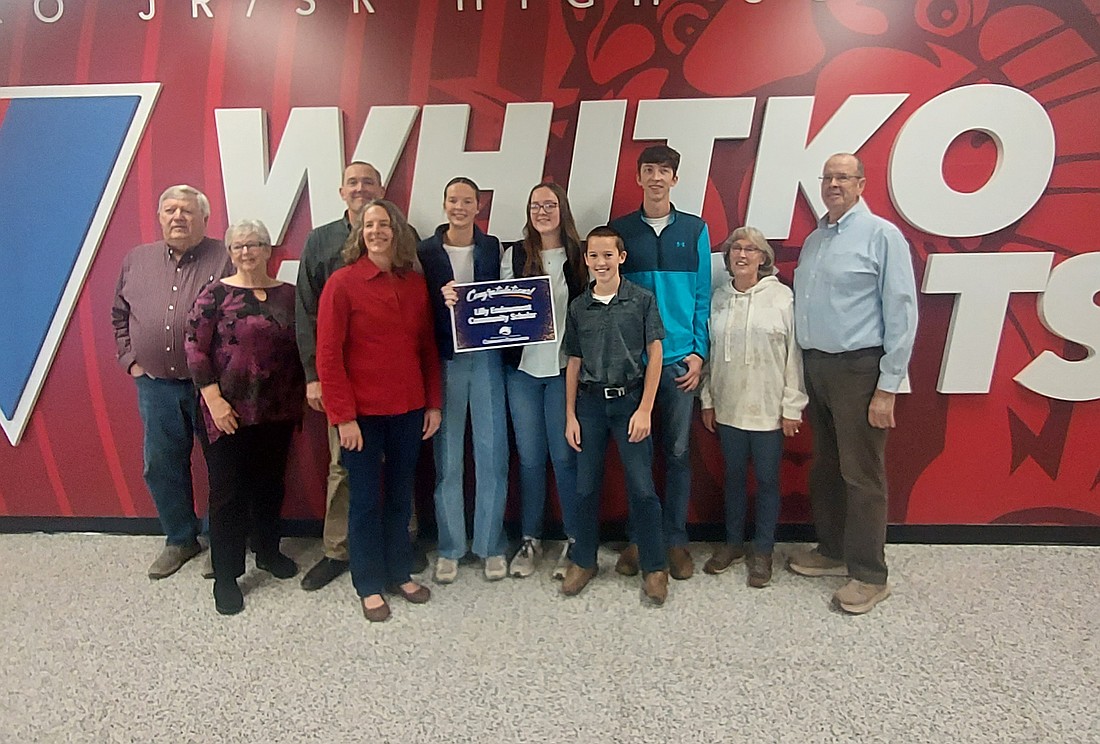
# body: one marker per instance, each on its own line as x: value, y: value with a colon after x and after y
x: 499, y: 314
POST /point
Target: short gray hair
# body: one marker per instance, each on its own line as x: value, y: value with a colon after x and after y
x: 247, y: 227
x: 757, y: 238
x: 183, y: 191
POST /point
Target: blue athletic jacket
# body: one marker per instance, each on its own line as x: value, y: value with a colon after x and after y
x: 674, y: 266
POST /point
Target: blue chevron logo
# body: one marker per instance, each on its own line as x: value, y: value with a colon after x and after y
x: 65, y: 152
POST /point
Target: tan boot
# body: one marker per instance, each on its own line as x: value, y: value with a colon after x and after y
x: 760, y: 570
x: 627, y: 565
x: 724, y: 556
x: 680, y: 564
x: 576, y: 579
x: 656, y: 587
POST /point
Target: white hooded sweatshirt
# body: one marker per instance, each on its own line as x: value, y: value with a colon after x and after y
x: 754, y: 374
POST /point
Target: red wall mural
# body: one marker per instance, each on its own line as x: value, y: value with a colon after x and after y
x: 1009, y: 455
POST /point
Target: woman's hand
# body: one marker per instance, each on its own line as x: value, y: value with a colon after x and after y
x: 432, y: 419
x: 225, y: 418
x: 351, y: 437
x: 790, y: 427
x: 450, y: 294
x: 707, y: 414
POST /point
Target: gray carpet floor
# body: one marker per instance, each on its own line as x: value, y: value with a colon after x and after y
x: 978, y: 644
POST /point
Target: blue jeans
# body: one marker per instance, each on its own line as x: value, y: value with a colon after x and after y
x: 766, y: 448
x: 600, y: 418
x: 537, y: 405
x: 380, y: 479
x: 474, y: 381
x: 169, y: 414
x: 674, y: 408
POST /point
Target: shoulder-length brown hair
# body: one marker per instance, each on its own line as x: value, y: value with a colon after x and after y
x: 404, y: 244
x: 570, y: 238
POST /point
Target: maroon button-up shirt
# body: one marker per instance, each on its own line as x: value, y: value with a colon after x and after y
x: 154, y: 294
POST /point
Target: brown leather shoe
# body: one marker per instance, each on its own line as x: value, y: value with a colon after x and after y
x: 576, y: 579
x: 680, y: 564
x: 627, y: 565
x: 724, y: 556
x: 376, y: 614
x: 656, y: 587
x: 420, y: 595
x: 760, y: 570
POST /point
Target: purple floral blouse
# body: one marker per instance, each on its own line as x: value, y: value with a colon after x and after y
x: 248, y: 348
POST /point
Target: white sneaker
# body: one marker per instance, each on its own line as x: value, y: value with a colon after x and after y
x: 496, y: 568
x: 563, y: 563
x: 526, y: 559
x: 446, y: 570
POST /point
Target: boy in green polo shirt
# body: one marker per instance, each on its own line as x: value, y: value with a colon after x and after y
x: 613, y: 338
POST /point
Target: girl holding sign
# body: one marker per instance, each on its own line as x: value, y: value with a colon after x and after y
x: 460, y: 252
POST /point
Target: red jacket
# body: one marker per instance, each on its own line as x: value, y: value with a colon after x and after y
x: 376, y: 352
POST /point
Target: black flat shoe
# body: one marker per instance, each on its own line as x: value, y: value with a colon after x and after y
x: 323, y: 573
x: 228, y: 599
x: 278, y: 565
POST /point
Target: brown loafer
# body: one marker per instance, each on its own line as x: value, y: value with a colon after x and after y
x: 656, y: 587
x: 627, y: 565
x: 724, y: 556
x: 420, y: 595
x: 680, y: 564
x: 760, y: 570
x: 576, y: 579
x: 376, y: 614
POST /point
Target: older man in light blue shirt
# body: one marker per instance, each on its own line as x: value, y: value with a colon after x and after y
x: 856, y: 320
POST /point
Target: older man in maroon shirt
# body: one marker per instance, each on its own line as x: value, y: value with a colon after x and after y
x: 156, y: 288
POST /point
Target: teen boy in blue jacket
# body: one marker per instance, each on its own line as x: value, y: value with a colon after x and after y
x: 668, y: 253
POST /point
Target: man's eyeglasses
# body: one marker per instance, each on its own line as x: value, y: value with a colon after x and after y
x: 253, y: 246
x: 548, y: 207
x: 842, y: 179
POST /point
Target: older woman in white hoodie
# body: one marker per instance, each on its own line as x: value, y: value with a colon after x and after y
x: 752, y: 393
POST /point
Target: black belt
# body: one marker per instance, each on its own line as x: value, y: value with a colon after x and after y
x: 853, y: 354
x: 610, y: 392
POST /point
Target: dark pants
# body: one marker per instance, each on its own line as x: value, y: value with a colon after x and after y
x: 246, y: 493
x: 169, y: 416
x: 766, y: 449
x: 600, y: 418
x: 848, y: 476
x: 381, y: 478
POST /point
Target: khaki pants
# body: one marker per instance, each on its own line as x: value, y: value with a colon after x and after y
x: 335, y: 533
x: 848, y: 476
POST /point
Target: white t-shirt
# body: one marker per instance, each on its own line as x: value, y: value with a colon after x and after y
x: 462, y: 262
x: 657, y: 223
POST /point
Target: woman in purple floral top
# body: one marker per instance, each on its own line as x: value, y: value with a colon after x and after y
x: 243, y: 358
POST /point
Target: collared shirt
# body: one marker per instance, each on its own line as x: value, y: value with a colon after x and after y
x: 376, y: 349
x: 854, y: 289
x: 154, y: 294
x: 611, y: 338
x: 321, y: 257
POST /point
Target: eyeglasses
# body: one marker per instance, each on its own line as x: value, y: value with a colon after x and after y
x: 748, y: 250
x: 842, y: 179
x: 253, y: 246
x: 548, y: 207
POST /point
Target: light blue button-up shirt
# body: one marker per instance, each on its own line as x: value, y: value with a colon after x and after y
x: 854, y: 289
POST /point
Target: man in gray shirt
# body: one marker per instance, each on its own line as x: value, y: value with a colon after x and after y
x: 156, y: 288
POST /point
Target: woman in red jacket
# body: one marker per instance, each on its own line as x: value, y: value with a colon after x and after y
x: 379, y: 368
